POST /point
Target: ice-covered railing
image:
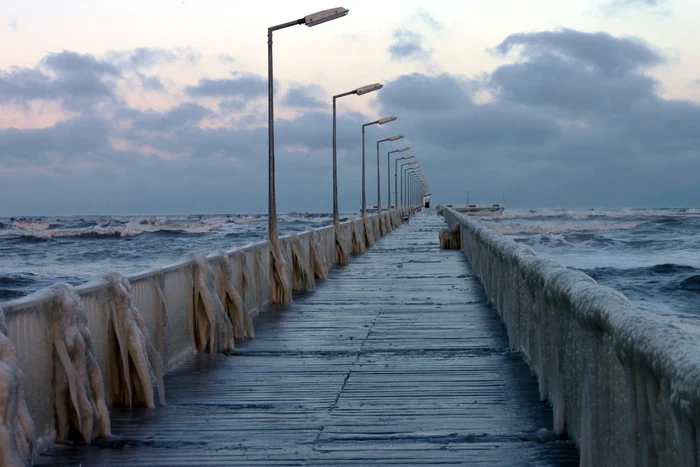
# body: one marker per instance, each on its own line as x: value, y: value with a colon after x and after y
x: 624, y: 384
x: 101, y: 341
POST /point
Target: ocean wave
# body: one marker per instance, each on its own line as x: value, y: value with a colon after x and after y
x: 691, y: 283
x: 519, y: 228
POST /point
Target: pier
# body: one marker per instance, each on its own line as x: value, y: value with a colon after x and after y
x: 392, y: 350
x: 396, y: 358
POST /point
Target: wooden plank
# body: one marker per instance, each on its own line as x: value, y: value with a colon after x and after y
x: 395, y: 359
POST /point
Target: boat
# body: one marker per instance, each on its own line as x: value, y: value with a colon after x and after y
x: 479, y: 209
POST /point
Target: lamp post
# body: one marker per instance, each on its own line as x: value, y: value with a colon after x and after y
x: 388, y: 176
x: 310, y: 20
x: 388, y: 163
x: 403, y: 183
x: 359, y: 91
x: 408, y: 170
x: 381, y: 121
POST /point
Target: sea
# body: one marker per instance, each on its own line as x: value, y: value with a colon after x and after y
x: 36, y: 252
x: 652, y: 256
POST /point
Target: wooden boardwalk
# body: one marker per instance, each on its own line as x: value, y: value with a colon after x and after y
x: 396, y: 359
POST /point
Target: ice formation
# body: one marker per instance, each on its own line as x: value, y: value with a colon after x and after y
x: 134, y: 362
x: 368, y: 230
x: 79, y: 395
x: 358, y: 244
x: 262, y: 273
x: 341, y: 251
x: 449, y: 238
x: 319, y: 264
x: 623, y: 384
x: 232, y: 301
x: 213, y: 331
x: 16, y: 426
x: 279, y: 287
x: 302, y: 275
x: 162, y: 317
x: 248, y: 284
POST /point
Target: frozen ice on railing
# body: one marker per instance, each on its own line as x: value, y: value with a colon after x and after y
x: 16, y: 426
x: 134, y: 361
x: 79, y: 394
x: 213, y: 328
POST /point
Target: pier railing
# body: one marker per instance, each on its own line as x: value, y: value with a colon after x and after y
x: 165, y: 299
x: 623, y: 383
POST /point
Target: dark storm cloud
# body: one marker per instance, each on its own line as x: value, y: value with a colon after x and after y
x: 305, y: 97
x: 79, y: 81
x: 81, y: 138
x: 606, y: 53
x: 174, y: 119
x: 240, y: 85
x: 408, y: 45
x: 570, y: 107
x: 418, y: 91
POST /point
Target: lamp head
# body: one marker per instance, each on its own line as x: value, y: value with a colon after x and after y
x: 324, y: 16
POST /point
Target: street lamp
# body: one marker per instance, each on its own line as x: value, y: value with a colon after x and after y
x: 309, y: 20
x: 359, y: 91
x: 388, y: 176
x: 408, y: 171
x: 388, y: 160
x: 381, y: 121
x: 403, y: 204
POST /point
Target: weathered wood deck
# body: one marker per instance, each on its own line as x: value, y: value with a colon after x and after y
x: 395, y: 359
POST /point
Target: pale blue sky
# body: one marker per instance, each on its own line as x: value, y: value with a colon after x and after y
x: 159, y: 106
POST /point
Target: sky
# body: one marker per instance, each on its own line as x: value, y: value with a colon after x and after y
x: 160, y: 107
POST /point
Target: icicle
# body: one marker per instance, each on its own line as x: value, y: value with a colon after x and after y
x: 134, y: 361
x: 341, y: 251
x: 232, y: 301
x: 368, y: 233
x: 358, y: 246
x: 213, y: 330
x: 449, y: 238
x: 16, y: 426
x: 79, y: 395
x: 302, y: 275
x: 162, y: 316
x: 319, y: 265
x: 262, y: 273
x: 279, y: 288
x: 248, y: 283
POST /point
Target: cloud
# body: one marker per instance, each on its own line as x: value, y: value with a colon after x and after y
x: 247, y: 85
x: 225, y: 58
x: 408, y: 45
x: 305, y: 97
x: 78, y: 81
x: 428, y: 19
x: 151, y: 82
x: 617, y: 7
x: 13, y: 23
x: 174, y: 119
x: 573, y: 120
x: 141, y: 57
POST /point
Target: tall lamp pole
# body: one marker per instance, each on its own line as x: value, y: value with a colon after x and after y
x: 388, y: 157
x: 381, y: 121
x: 403, y: 202
x: 388, y: 177
x: 309, y: 20
x: 359, y: 91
